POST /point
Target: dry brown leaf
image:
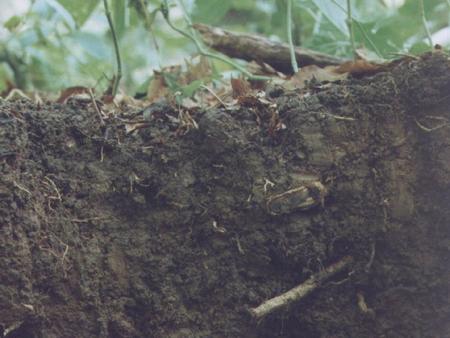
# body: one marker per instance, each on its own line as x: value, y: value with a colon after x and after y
x: 72, y: 91
x: 197, y: 71
x: 157, y: 88
x: 240, y: 87
x: 310, y: 73
x: 262, y: 68
x: 359, y: 68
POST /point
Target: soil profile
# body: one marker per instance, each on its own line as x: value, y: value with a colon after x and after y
x: 157, y: 233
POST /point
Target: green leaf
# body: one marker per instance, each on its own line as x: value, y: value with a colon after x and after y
x: 210, y: 11
x: 62, y: 12
x: 334, y: 10
x: 119, y: 13
x: 370, y: 11
x: 92, y: 44
x: 190, y: 89
x: 12, y: 23
x: 419, y: 48
x: 80, y: 10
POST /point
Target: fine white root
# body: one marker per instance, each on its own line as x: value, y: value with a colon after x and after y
x: 300, y: 291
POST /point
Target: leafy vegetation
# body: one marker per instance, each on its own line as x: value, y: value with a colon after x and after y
x: 60, y: 43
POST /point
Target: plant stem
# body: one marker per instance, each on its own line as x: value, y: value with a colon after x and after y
x: 203, y: 51
x: 350, y: 27
x: 116, y: 48
x: 363, y: 32
x: 289, y: 35
x: 424, y: 22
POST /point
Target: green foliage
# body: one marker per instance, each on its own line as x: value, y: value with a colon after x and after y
x: 80, y: 10
x: 120, y: 15
x: 61, y: 43
x: 210, y: 11
x: 334, y: 11
x: 12, y: 23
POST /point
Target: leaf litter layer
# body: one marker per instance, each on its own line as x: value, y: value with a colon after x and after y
x: 181, y: 225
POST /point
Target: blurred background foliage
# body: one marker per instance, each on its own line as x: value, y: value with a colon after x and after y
x: 49, y: 45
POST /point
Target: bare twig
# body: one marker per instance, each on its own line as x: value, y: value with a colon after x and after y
x: 97, y: 109
x: 372, y: 257
x: 17, y: 185
x: 118, y: 76
x: 16, y: 92
x: 429, y: 130
x: 254, y: 47
x: 215, y: 95
x: 337, y: 117
x: 300, y: 291
x: 53, y: 185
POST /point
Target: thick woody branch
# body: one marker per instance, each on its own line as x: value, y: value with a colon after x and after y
x: 252, y: 47
x: 301, y: 290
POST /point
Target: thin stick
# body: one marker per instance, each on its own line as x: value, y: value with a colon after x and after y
x: 116, y: 49
x: 428, y: 130
x: 424, y: 22
x: 17, y: 185
x: 215, y: 95
x: 58, y: 195
x: 300, y: 291
x: 289, y: 35
x: 350, y: 27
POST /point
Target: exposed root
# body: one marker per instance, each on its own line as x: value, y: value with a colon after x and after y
x: 18, y: 186
x: 362, y: 305
x: 97, y: 109
x: 300, y: 291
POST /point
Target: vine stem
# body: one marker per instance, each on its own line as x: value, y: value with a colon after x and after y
x: 116, y: 49
x: 289, y: 35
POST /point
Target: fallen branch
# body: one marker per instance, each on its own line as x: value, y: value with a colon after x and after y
x: 252, y: 47
x: 301, y: 290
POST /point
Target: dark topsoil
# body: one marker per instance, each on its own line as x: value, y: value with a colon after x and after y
x: 169, y: 235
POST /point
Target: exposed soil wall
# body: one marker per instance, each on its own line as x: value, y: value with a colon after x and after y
x: 159, y: 233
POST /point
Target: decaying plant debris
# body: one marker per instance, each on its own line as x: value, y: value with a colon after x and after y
x: 125, y: 225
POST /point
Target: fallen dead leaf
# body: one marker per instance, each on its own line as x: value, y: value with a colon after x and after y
x: 359, y: 68
x: 312, y: 73
x: 241, y: 88
x: 72, y: 91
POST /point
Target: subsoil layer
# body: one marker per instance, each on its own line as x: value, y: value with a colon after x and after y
x: 166, y: 231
